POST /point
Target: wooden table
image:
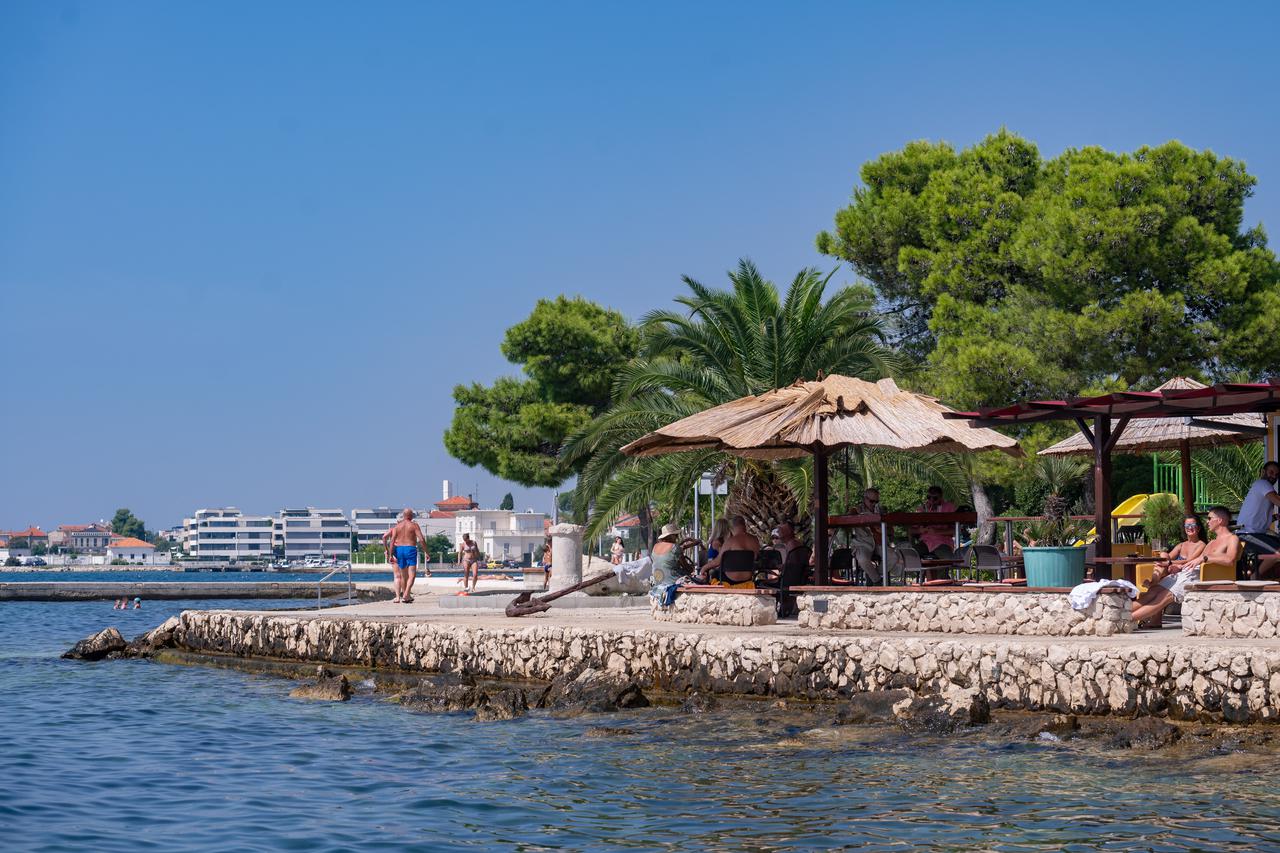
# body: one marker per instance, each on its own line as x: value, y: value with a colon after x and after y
x: 1128, y: 566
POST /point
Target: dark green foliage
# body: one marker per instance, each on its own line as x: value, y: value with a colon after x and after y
x: 125, y: 523
x: 1162, y: 519
x: 508, y: 502
x: 437, y: 544
x: 1015, y: 277
x: 569, y: 349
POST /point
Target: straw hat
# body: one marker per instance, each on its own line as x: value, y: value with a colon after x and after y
x: 669, y: 531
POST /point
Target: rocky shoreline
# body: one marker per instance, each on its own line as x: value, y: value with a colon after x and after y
x: 966, y: 678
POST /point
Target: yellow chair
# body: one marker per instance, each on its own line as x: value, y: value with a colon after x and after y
x: 1222, y: 571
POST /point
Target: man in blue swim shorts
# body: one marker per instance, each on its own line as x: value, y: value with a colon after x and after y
x: 402, y: 543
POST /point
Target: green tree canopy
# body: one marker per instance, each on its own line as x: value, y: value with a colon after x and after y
x: 1013, y: 277
x: 508, y: 502
x: 570, y: 350
x: 125, y: 523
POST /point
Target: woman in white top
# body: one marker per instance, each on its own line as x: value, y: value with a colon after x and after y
x: 616, y: 552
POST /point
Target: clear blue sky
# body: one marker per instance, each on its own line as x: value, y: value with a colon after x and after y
x: 247, y: 249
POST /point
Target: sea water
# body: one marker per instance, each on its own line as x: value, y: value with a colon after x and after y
x: 137, y: 755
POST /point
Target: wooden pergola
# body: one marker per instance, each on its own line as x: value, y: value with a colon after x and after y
x: 1102, y: 421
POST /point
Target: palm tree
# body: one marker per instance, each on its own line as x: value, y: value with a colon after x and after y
x: 1227, y: 472
x: 723, y: 345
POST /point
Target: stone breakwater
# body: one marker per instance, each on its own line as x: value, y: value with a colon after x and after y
x: 1234, y: 683
x: 1241, y: 614
x: 1022, y: 613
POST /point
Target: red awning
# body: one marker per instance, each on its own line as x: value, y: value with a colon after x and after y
x: 1224, y: 399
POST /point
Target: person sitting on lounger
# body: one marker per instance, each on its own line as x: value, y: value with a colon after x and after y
x: 1148, y: 610
x: 1176, y: 559
x: 736, y: 570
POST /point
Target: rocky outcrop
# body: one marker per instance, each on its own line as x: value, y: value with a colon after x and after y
x: 106, y: 643
x: 1235, y: 683
x: 719, y: 608
x: 326, y: 688
x: 161, y: 637
x: 1024, y: 613
x: 874, y: 706
x: 592, y: 691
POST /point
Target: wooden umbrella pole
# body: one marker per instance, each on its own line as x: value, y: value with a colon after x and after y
x: 820, y: 517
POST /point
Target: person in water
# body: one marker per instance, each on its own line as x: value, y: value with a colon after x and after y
x: 404, y: 538
x: 137, y: 604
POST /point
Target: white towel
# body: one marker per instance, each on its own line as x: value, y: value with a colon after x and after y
x: 637, y: 570
x: 1083, y: 595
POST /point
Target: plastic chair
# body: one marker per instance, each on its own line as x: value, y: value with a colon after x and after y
x: 988, y: 560
x: 842, y: 569
x: 909, y: 560
x: 1223, y: 571
x: 737, y: 567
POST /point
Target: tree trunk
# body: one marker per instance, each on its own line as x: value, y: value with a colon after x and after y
x: 764, y: 502
x: 982, y: 506
x: 646, y: 527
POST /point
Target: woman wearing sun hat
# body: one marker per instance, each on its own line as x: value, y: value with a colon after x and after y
x: 666, y: 556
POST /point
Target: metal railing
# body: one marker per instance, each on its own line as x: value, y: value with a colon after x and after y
x: 350, y: 585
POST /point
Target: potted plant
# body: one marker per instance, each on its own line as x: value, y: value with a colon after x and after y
x: 1053, y: 550
x: 1162, y: 521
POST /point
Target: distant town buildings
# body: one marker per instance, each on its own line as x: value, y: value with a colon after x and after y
x: 501, y: 533
x: 310, y: 531
x: 225, y: 533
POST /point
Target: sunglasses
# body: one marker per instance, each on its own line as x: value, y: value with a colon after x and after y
x: 1190, y: 526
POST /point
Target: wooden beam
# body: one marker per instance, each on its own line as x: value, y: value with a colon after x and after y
x: 1102, y: 492
x: 820, y: 514
x: 1115, y: 435
x: 1086, y: 432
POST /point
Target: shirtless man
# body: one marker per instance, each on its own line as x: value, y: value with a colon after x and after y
x: 1149, y: 608
x: 404, y: 538
x: 470, y: 562
x: 740, y: 540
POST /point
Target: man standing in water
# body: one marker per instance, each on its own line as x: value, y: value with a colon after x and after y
x: 404, y: 538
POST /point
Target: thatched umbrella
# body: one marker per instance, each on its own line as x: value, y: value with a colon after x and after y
x: 1145, y: 435
x: 820, y: 418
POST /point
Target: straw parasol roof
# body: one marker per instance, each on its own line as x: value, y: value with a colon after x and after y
x: 824, y: 415
x: 1143, y: 435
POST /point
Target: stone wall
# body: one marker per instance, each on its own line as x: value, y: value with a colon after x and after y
x: 1025, y: 613
x: 1234, y: 682
x: 725, y: 608
x: 1231, y: 614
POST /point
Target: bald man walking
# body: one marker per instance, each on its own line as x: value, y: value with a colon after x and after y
x: 404, y: 538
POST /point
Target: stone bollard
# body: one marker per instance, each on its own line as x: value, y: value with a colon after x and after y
x: 566, y: 555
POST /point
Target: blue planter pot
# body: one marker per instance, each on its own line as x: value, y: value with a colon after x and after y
x: 1053, y: 566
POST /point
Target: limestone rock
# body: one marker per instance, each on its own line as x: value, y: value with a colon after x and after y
x: 502, y: 705
x: 1146, y: 733
x: 592, y: 691
x: 945, y: 713
x: 163, y: 636
x: 699, y: 703
x: 875, y: 706
x: 107, y: 642
x: 327, y: 688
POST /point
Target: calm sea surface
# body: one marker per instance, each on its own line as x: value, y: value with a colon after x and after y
x: 134, y: 755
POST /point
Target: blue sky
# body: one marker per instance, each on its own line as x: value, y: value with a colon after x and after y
x: 247, y: 249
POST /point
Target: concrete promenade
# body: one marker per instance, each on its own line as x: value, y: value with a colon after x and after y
x: 1160, y: 673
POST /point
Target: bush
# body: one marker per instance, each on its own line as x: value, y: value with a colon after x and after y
x: 1162, y: 519
x: 13, y: 561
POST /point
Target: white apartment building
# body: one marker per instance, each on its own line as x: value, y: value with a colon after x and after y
x: 312, y: 532
x: 369, y: 524
x: 226, y: 533
x: 501, y: 533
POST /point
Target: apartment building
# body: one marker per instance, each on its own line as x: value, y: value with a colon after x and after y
x: 225, y: 533
x: 312, y: 532
x: 501, y: 533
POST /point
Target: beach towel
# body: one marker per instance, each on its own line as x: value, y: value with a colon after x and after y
x: 1083, y: 596
x: 637, y: 570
